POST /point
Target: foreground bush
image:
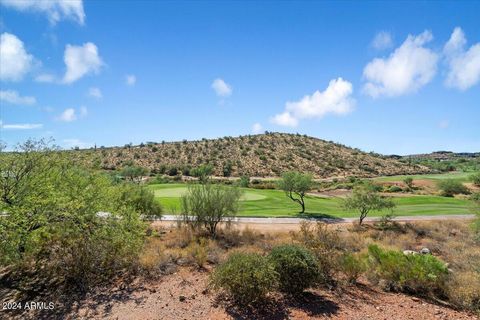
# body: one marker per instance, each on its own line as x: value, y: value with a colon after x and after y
x: 325, y: 244
x: 72, y: 226
x: 296, y: 266
x: 246, y: 277
x: 352, y: 266
x: 420, y: 274
x: 451, y: 187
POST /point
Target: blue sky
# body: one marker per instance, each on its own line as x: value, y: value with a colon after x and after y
x: 395, y: 78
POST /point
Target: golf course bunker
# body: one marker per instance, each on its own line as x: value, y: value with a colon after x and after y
x: 177, y: 192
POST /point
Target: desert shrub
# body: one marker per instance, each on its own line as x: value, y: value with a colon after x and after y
x: 246, y: 277
x: 133, y: 173
x: 419, y: 274
x: 73, y: 226
x: 141, y: 199
x: 325, y: 244
x: 296, y: 266
x: 198, y: 251
x: 352, y: 266
x: 409, y: 182
x: 451, y: 187
x: 463, y: 290
x: 244, y: 181
x: 475, y: 178
x: 395, y: 189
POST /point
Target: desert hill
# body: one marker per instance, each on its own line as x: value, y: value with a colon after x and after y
x: 263, y: 155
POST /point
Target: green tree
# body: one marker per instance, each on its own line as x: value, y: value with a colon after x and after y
x: 409, y: 182
x: 475, y: 178
x: 202, y: 172
x: 206, y: 205
x: 296, y: 185
x: 365, y: 199
x: 133, y: 173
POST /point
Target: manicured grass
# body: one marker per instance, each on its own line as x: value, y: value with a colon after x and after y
x: 457, y: 175
x: 274, y: 203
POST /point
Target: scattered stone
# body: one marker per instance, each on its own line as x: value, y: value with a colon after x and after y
x: 409, y: 252
x: 182, y: 298
x: 425, y: 251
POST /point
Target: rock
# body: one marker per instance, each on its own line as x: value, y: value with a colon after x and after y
x: 409, y: 252
x: 182, y: 298
x: 425, y: 251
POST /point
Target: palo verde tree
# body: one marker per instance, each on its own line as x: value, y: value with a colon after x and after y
x: 296, y: 185
x: 133, y: 173
x: 364, y: 199
x: 206, y: 205
x: 202, y: 172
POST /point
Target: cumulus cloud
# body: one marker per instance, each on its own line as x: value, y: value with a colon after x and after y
x: 130, y: 80
x: 13, y: 97
x: 21, y: 126
x: 257, y: 128
x: 221, y: 88
x: 70, y: 114
x: 15, y: 61
x: 463, y: 65
x: 95, y: 93
x: 80, y: 61
x: 383, y: 40
x: 335, y: 99
x: 407, y: 69
x: 55, y: 10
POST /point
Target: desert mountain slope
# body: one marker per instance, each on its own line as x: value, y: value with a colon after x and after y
x: 263, y: 155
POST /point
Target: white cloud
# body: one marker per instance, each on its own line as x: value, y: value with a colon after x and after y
x: 80, y: 61
x: 68, y: 115
x: 406, y: 70
x: 257, y: 128
x: 15, y: 61
x: 21, y: 126
x: 464, y: 65
x: 335, y: 99
x: 382, y: 40
x: 130, y: 80
x: 222, y: 89
x: 95, y: 93
x: 45, y: 78
x: 54, y: 9
x: 13, y: 97
x: 73, y: 143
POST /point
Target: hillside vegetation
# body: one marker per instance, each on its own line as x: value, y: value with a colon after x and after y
x: 264, y: 155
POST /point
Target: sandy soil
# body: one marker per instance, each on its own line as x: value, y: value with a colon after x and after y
x: 183, y: 295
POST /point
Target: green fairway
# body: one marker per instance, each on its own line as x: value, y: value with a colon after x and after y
x: 274, y: 203
x: 457, y: 175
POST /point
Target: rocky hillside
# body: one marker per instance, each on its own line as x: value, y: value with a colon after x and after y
x: 264, y: 155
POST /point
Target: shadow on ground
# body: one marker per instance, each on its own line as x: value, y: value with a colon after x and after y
x: 278, y: 308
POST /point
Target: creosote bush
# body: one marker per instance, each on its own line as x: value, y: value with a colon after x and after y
x: 296, y: 266
x: 415, y: 273
x: 246, y: 277
x: 451, y: 187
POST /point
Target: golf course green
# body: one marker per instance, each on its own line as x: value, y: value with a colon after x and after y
x: 274, y: 203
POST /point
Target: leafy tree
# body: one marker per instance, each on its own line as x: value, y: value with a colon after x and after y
x: 296, y: 185
x: 475, y: 179
x: 364, y: 199
x: 202, y: 172
x: 133, y: 173
x: 409, y: 182
x: 206, y: 205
